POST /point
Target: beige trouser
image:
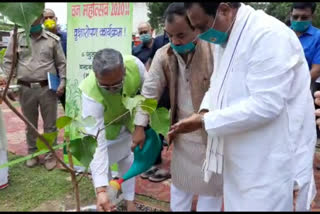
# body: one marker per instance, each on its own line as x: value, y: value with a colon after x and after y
x: 30, y: 100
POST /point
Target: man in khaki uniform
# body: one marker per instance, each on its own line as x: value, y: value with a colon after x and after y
x: 46, y: 55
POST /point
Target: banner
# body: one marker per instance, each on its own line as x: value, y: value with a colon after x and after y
x: 92, y: 27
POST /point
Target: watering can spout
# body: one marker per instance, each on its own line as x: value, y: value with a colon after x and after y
x: 143, y: 158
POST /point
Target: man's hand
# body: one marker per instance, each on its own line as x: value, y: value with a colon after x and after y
x: 103, y: 203
x: 60, y: 90
x: 317, y: 101
x: 138, y: 138
x: 3, y: 81
x: 186, y: 125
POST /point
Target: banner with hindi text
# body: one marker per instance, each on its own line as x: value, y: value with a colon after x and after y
x: 92, y: 27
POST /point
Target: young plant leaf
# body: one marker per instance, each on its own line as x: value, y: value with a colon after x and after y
x: 86, y: 122
x: 22, y: 13
x: 50, y: 137
x: 160, y: 121
x: 112, y: 131
x: 83, y: 149
x: 129, y: 123
x: 149, y: 105
x: 63, y: 122
x: 2, y: 53
x: 131, y: 103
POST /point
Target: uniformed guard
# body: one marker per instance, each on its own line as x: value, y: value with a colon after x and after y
x: 33, y: 64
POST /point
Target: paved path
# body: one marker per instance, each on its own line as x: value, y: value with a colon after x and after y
x: 160, y: 191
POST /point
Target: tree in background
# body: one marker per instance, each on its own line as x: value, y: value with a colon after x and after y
x: 155, y: 14
x: 280, y: 10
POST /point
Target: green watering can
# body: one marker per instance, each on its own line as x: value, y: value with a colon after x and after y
x: 143, y: 158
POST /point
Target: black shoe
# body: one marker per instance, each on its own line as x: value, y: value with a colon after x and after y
x: 160, y: 175
x: 149, y: 173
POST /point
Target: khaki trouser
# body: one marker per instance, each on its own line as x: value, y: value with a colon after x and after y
x: 30, y: 100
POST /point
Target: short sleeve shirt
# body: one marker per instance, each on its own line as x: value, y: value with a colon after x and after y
x: 310, y: 41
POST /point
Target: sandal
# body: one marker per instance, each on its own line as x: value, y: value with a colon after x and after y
x: 4, y: 186
x: 149, y: 173
x: 160, y: 176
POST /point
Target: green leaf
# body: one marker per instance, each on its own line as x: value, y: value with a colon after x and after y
x: 112, y: 131
x: 129, y: 122
x: 149, y: 105
x: 50, y: 137
x: 87, y: 122
x: 83, y: 149
x: 131, y: 103
x: 2, y: 53
x: 22, y: 13
x: 160, y: 121
x: 63, y: 122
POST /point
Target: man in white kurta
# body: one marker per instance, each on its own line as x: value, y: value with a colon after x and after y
x: 3, y: 153
x: 3, y: 144
x: 109, y: 152
x: 257, y: 108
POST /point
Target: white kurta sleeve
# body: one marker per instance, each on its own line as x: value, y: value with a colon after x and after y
x: 152, y: 88
x: 269, y: 79
x: 100, y: 164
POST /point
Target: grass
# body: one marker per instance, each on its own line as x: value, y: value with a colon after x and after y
x: 31, y: 187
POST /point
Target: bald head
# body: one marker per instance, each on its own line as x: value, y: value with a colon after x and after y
x: 49, y: 14
x: 144, y: 28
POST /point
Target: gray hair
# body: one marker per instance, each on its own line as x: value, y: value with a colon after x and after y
x: 48, y: 10
x: 106, y: 60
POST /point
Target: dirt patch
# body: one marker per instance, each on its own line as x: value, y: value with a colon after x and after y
x: 68, y: 204
x: 64, y: 204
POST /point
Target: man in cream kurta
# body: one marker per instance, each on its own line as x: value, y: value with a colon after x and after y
x: 187, y: 65
x: 256, y: 109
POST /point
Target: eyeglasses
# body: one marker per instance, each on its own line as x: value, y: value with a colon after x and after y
x: 111, y: 87
x: 143, y: 32
x: 48, y: 17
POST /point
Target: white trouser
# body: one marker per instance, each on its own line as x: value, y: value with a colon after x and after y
x: 128, y: 187
x: 3, y: 171
x: 182, y: 201
x: 306, y: 195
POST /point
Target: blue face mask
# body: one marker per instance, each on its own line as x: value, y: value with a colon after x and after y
x: 215, y: 36
x: 300, y: 26
x: 183, y: 49
x: 145, y: 38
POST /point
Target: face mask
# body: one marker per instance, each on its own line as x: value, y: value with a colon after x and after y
x: 36, y: 28
x: 145, y: 38
x: 183, y: 49
x: 300, y: 26
x: 215, y: 36
x: 50, y: 24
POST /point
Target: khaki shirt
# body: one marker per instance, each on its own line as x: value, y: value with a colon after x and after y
x: 46, y: 55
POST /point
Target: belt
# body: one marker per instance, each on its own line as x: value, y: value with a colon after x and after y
x: 36, y: 84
